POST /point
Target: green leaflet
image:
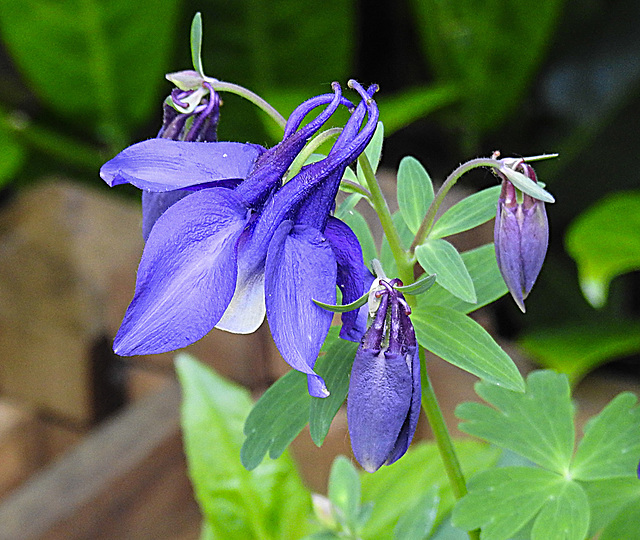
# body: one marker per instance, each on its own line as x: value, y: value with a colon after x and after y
x: 415, y: 192
x: 439, y: 257
x: 269, y: 502
x: 461, y: 341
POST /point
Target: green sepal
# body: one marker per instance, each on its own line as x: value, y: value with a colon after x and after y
x: 345, y: 307
x: 526, y: 185
x: 418, y: 287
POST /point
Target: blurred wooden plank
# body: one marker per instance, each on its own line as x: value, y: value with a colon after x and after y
x: 126, y: 480
x: 20, y: 448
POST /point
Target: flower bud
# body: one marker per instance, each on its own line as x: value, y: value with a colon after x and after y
x: 384, y: 390
x: 521, y: 237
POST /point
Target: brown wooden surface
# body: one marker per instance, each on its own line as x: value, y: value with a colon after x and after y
x: 126, y: 480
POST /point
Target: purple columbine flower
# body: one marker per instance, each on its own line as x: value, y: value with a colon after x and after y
x: 220, y: 244
x: 383, y: 403
x: 521, y: 236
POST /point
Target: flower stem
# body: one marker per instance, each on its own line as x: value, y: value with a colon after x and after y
x: 442, y: 437
x: 402, y: 258
x: 221, y: 86
x: 429, y: 218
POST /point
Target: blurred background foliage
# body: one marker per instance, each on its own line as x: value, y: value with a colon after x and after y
x: 82, y: 79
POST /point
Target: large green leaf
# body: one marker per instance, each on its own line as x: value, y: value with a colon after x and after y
x: 610, y: 447
x: 502, y: 501
x: 470, y: 212
x: 402, y: 486
x: 577, y: 349
x: 360, y: 227
x: 611, y: 501
x: 100, y: 62
x: 458, y: 339
x: 269, y: 502
x: 487, y: 282
x: 415, y: 192
x: 439, y: 257
x: 536, y: 424
x: 605, y: 243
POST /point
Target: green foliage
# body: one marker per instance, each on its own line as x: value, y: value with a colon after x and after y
x: 487, y: 282
x: 470, y: 212
x: 605, y: 243
x: 439, y: 257
x: 415, y: 192
x: 286, y: 407
x: 269, y: 502
x: 578, y: 348
x: 489, y: 53
x: 458, y: 339
x: 412, y: 480
x: 563, y: 497
x: 104, y: 69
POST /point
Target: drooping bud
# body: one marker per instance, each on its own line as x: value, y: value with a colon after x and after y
x: 521, y: 236
x: 384, y: 390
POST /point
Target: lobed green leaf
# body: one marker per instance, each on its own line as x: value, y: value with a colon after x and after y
x: 537, y: 424
x: 502, y: 501
x: 610, y: 447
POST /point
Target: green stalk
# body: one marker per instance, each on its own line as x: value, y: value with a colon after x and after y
x: 442, y: 437
x: 401, y: 256
x: 254, y: 98
x: 429, y: 218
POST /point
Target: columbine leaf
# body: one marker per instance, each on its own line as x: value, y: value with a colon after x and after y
x: 503, y: 500
x: 625, y: 524
x: 526, y: 185
x: 536, y: 424
x: 344, y: 490
x: 470, y: 212
x: 609, y: 498
x: 236, y: 503
x: 487, y: 282
x: 411, y: 478
x: 610, y: 447
x: 417, y: 522
x: 605, y: 243
x: 276, y: 419
x: 439, y: 257
x: 461, y: 341
x: 415, y: 192
x: 373, y: 151
x: 334, y: 367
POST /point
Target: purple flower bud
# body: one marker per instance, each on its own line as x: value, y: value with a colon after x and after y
x: 384, y: 390
x: 521, y: 237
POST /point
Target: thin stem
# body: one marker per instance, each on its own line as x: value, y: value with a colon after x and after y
x: 309, y: 149
x: 429, y: 218
x: 403, y: 261
x: 254, y: 98
x: 442, y: 437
